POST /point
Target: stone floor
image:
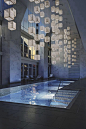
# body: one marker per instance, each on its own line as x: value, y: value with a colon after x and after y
x: 21, y: 116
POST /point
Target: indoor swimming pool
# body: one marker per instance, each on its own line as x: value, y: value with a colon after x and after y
x: 48, y: 93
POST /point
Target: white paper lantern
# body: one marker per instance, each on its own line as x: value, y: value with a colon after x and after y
x: 36, y: 9
x: 75, y: 39
x: 65, y: 41
x: 42, y: 14
x: 69, y: 66
x: 53, y: 17
x: 42, y: 0
x: 60, y: 12
x: 37, y: 47
x: 31, y: 43
x: 53, y: 23
x: 72, y: 49
x: 56, y: 37
x: 42, y: 44
x: 57, y: 17
x: 31, y: 0
x: 47, y: 20
x: 41, y: 36
x: 74, y: 52
x: 53, y: 29
x: 31, y: 18
x: 60, y: 18
x: 31, y: 30
x: 37, y: 1
x: 68, y: 33
x: 37, y: 57
x: 65, y: 65
x: 47, y: 30
x: 56, y: 2
x: 57, y: 31
x: 68, y: 37
x: 60, y: 25
x: 37, y: 37
x: 11, y: 25
x: 37, y: 19
x: 42, y: 28
x: 60, y: 36
x: 9, y: 14
x: 68, y: 28
x: 72, y: 41
x: 56, y: 21
x: 47, y: 39
x: 57, y: 9
x: 53, y: 37
x: 72, y: 63
x: 69, y: 42
x: 41, y: 6
x: 53, y: 9
x: 47, y: 4
x: 10, y: 2
x: 68, y: 46
x: 60, y: 43
x: 65, y: 31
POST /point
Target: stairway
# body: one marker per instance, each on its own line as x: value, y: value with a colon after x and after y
x: 63, y: 98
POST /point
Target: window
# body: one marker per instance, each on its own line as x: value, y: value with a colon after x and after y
x: 34, y: 70
x: 21, y: 70
x: 21, y: 46
x: 25, y: 70
x: 25, y: 47
x: 30, y: 69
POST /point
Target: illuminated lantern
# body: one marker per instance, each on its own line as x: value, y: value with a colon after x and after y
x: 57, y: 17
x: 60, y: 43
x: 65, y: 41
x: 68, y: 33
x: 53, y: 17
x: 57, y: 31
x: 69, y: 66
x: 47, y: 39
x: 65, y: 65
x: 31, y: 30
x: 31, y: 43
x: 37, y: 37
x: 31, y: 0
x: 37, y: 47
x: 42, y: 0
x: 42, y: 6
x: 42, y: 28
x: 10, y: 2
x: 60, y: 18
x: 68, y: 28
x: 57, y: 9
x: 72, y: 63
x: 47, y: 4
x: 69, y: 42
x: 41, y: 14
x: 37, y: 57
x: 41, y: 36
x: 47, y: 20
x: 37, y: 19
x: 56, y: 21
x: 53, y: 9
x: 60, y: 36
x: 60, y: 12
x: 37, y: 1
x: 11, y: 25
x: 60, y: 25
x: 56, y: 2
x: 9, y: 14
x: 53, y: 29
x: 53, y: 23
x: 36, y: 9
x: 53, y: 37
x: 47, y: 30
x: 65, y: 31
x: 31, y: 18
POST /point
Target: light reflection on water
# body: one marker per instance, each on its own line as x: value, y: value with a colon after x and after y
x: 36, y: 94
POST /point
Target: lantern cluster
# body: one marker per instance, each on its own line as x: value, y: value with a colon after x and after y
x: 10, y: 14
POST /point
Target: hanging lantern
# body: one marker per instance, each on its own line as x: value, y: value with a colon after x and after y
x: 47, y: 30
x: 37, y: 57
x: 68, y: 33
x: 72, y: 41
x: 53, y: 17
x: 68, y: 37
x: 41, y: 36
x: 42, y: 0
x: 75, y: 39
x: 53, y: 29
x: 37, y: 47
x: 47, y: 39
x: 58, y: 59
x: 42, y: 28
x: 56, y: 21
x: 65, y: 31
x: 31, y: 30
x: 60, y: 12
x: 65, y: 41
x: 53, y: 9
x: 37, y: 37
x: 60, y: 49
x: 60, y: 43
x: 69, y: 42
x: 37, y: 19
x: 37, y: 1
x: 68, y: 51
x: 60, y: 25
x: 47, y: 20
x: 72, y: 63
x: 57, y: 31
x: 57, y: 17
x: 65, y: 65
x: 69, y: 62
x: 47, y: 4
x: 41, y: 6
x: 42, y: 44
x: 36, y: 9
x: 31, y: 43
x: 65, y: 60
x: 9, y: 14
x: 68, y: 46
x: 60, y: 18
x: 72, y: 49
x: 10, y: 2
x: 31, y: 18
x: 56, y: 2
x: 57, y: 9
x: 60, y: 36
x: 11, y: 25
x: 53, y: 37
x: 72, y: 45
x: 69, y: 66
x: 53, y: 23
x: 74, y: 52
x: 68, y: 28
x: 31, y: 0
x: 41, y: 14
x: 56, y: 37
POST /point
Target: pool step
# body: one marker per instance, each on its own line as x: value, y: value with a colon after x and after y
x: 62, y: 98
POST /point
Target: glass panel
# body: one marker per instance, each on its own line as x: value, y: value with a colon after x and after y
x: 25, y: 47
x: 25, y: 70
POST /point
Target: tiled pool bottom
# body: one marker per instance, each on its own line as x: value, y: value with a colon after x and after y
x: 43, y: 94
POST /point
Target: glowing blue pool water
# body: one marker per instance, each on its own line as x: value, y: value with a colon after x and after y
x: 40, y: 94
